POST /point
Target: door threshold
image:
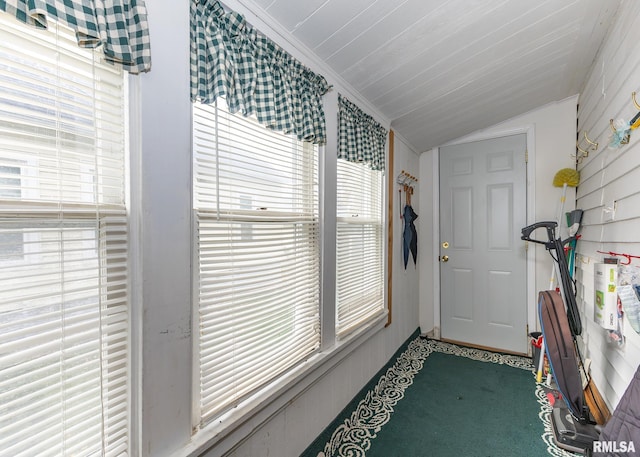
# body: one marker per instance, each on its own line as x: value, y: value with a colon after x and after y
x: 484, y: 348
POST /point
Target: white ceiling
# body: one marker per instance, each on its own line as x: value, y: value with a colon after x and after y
x: 440, y: 69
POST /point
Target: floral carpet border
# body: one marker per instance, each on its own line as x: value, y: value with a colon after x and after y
x: 352, y: 438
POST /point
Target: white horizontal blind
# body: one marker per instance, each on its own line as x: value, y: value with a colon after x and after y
x: 64, y: 325
x: 256, y: 205
x: 360, y: 249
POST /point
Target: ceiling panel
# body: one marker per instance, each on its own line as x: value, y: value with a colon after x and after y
x: 292, y: 13
x: 468, y: 72
x: 315, y: 28
x: 379, y: 34
x: 336, y: 39
x: 441, y: 69
x: 410, y: 53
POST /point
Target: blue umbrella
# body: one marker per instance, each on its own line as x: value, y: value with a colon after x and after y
x: 409, y: 235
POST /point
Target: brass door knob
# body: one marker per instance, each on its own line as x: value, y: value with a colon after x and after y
x: 445, y: 258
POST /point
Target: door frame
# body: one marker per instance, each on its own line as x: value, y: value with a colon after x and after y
x: 529, y: 130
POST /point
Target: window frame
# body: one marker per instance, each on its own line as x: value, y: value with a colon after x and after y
x: 250, y: 216
x: 33, y: 210
x: 275, y: 395
x: 367, y: 221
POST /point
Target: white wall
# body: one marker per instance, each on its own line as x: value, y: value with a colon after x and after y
x: 429, y: 307
x: 550, y: 150
x: 406, y: 282
x: 162, y: 289
x: 608, y: 175
x: 161, y: 215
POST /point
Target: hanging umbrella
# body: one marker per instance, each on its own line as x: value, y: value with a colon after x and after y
x: 409, y: 232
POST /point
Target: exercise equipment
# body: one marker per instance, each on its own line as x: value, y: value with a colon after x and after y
x: 560, y: 324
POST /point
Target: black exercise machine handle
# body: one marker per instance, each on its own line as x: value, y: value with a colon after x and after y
x: 557, y: 245
x: 551, y: 232
x: 551, y: 243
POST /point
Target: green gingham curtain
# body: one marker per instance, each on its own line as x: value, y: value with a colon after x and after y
x: 232, y: 60
x: 120, y: 26
x: 361, y: 139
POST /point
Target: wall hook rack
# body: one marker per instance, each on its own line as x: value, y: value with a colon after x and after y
x: 628, y: 257
x: 406, y: 181
x: 405, y: 178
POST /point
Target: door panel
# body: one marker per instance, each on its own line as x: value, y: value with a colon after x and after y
x: 500, y: 216
x: 482, y: 208
x: 463, y: 303
x: 462, y: 211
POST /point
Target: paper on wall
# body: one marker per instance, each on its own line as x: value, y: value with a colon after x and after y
x: 606, y: 295
x: 629, y: 293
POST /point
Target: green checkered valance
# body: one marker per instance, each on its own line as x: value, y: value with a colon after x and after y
x: 232, y: 60
x: 119, y: 26
x: 362, y: 139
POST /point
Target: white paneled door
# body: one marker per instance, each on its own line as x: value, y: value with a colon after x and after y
x: 482, y: 259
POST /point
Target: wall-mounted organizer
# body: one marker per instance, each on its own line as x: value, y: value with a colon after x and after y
x: 617, y: 296
x: 407, y: 183
x: 620, y: 134
x: 405, y: 178
x: 617, y: 281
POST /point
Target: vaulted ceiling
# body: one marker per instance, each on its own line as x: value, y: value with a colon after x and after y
x: 440, y: 69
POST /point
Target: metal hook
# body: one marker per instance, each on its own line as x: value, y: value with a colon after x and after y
x: 584, y: 153
x: 635, y: 103
x: 580, y: 157
x: 592, y: 143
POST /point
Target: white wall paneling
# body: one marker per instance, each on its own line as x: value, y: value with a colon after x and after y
x: 609, y: 175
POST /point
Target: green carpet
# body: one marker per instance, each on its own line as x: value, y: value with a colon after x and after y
x: 438, y: 399
x: 463, y: 407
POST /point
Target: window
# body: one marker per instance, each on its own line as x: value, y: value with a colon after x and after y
x: 11, y: 242
x: 64, y: 317
x: 257, y: 249
x: 10, y: 181
x: 360, y: 249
